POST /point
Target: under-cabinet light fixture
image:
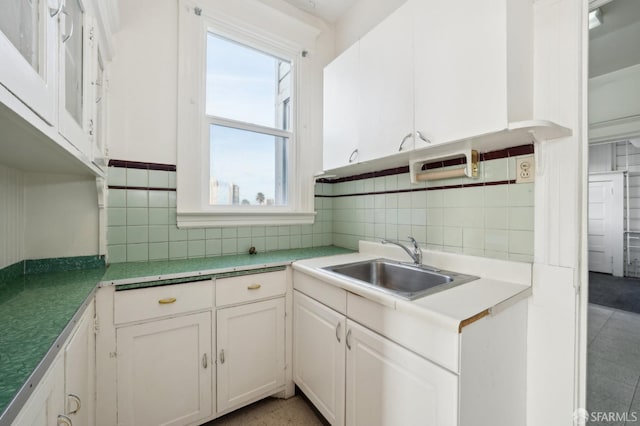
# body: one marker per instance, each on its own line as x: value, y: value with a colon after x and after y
x: 595, y: 18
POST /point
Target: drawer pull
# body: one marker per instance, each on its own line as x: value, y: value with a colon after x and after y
x: 76, y: 400
x: 254, y: 287
x: 64, y: 420
x: 167, y: 301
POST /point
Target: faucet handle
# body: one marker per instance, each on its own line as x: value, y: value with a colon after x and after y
x: 413, y: 240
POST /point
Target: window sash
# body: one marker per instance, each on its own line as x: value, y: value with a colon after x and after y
x: 241, y: 125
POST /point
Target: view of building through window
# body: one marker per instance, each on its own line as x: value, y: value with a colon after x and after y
x: 248, y: 108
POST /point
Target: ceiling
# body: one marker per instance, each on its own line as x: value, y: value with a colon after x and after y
x: 616, y: 43
x: 329, y: 10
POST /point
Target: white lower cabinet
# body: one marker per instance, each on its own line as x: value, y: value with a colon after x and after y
x: 187, y: 353
x: 385, y: 383
x: 79, y: 369
x: 363, y: 363
x: 251, y: 352
x: 65, y: 395
x: 45, y: 407
x: 390, y: 385
x: 164, y: 371
x: 319, y: 356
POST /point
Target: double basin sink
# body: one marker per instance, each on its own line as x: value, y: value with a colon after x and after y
x: 405, y: 280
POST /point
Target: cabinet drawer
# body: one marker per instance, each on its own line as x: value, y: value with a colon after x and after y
x: 247, y: 288
x: 154, y: 302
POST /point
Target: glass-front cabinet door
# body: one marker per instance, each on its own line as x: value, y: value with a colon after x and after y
x: 96, y: 122
x: 76, y: 40
x: 28, y: 51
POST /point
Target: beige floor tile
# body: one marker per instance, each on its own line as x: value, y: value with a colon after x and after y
x: 272, y: 412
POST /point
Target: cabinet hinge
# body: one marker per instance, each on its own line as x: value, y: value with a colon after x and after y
x: 96, y: 325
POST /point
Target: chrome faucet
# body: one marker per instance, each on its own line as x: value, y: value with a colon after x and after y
x: 416, y: 255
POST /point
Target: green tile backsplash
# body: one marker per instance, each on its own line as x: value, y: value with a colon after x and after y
x: 495, y: 220
x: 492, y: 220
x: 142, y: 224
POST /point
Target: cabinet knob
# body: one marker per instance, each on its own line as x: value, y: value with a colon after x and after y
x: 54, y: 12
x: 404, y: 140
x: 64, y: 420
x: 354, y: 156
x: 167, y: 301
x: 75, y: 399
x: 421, y: 136
x: 253, y: 287
x: 66, y: 37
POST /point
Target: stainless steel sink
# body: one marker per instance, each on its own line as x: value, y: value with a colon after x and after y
x: 400, y: 279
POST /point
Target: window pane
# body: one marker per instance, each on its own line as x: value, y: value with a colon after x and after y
x: 247, y: 168
x: 19, y: 22
x: 73, y: 59
x: 244, y: 84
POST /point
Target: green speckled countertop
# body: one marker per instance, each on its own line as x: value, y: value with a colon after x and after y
x: 34, y: 309
x: 129, y: 272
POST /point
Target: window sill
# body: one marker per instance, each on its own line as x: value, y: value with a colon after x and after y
x: 222, y: 220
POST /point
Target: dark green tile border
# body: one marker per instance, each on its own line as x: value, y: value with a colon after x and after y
x: 134, y: 286
x: 62, y: 264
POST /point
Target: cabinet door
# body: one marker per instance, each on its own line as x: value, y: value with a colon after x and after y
x: 80, y: 372
x: 389, y: 385
x: 28, y: 48
x: 460, y: 68
x: 319, y: 356
x: 45, y: 406
x: 164, y: 371
x: 76, y: 42
x: 386, y: 87
x: 250, y: 345
x: 341, y: 102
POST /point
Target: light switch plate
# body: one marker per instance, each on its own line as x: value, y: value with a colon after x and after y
x: 525, y: 169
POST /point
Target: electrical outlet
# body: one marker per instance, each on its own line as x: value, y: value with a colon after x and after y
x: 525, y: 169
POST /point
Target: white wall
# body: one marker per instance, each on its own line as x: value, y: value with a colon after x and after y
x: 61, y: 216
x: 11, y: 216
x: 360, y: 18
x: 143, y: 83
x: 601, y: 158
x: 144, y: 75
x: 615, y: 95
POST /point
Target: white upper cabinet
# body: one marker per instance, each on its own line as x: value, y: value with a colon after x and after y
x: 385, y: 112
x: 434, y: 72
x: 28, y: 48
x: 77, y: 42
x: 49, y: 82
x: 341, y: 102
x: 473, y: 67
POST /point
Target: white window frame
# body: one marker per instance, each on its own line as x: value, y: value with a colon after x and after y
x: 193, y: 208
